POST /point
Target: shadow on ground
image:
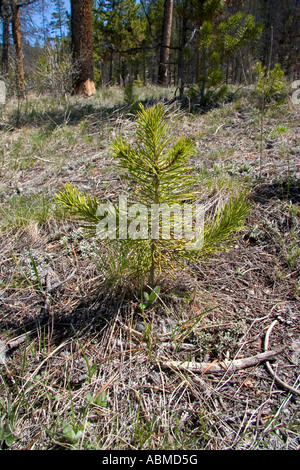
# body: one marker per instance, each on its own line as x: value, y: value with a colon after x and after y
x: 72, y: 114
x: 288, y: 190
x: 89, y: 317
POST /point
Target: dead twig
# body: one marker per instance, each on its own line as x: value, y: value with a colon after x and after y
x: 46, y: 307
x: 269, y: 367
x: 59, y: 284
x: 42, y: 159
x: 220, y: 367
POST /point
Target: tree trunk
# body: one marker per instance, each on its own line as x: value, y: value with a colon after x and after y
x: 17, y: 36
x: 5, y: 37
x: 204, y: 75
x: 166, y: 41
x: 181, y: 61
x: 82, y: 46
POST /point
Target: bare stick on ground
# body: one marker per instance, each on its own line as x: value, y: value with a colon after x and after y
x: 269, y: 367
x: 220, y: 367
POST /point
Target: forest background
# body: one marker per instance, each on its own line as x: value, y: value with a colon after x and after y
x: 177, y: 43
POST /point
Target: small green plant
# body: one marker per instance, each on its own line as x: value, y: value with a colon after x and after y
x: 6, y: 434
x: 149, y: 299
x: 158, y: 175
x: 71, y: 433
x: 8, y: 412
x: 147, y: 302
x: 138, y: 82
x: 100, y: 399
x: 270, y: 87
x: 91, y: 368
x: 130, y: 96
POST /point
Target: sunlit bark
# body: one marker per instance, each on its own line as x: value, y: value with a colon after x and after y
x: 82, y: 47
x: 17, y: 36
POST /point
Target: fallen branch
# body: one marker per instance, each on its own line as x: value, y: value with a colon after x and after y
x: 269, y: 367
x: 42, y: 159
x: 222, y: 366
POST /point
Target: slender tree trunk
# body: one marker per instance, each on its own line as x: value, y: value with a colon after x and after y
x: 5, y: 37
x: 82, y: 46
x: 204, y: 75
x: 111, y: 67
x: 166, y: 41
x: 17, y: 36
x: 181, y: 61
x: 198, y: 64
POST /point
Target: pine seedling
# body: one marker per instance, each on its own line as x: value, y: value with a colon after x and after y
x: 130, y: 96
x: 156, y: 168
x: 270, y: 85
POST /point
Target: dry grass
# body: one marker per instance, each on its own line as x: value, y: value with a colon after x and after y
x: 83, y: 368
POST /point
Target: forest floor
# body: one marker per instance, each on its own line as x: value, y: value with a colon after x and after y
x: 80, y: 366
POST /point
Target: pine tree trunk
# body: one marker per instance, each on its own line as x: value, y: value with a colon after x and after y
x: 181, y: 61
x: 17, y: 36
x: 82, y: 46
x: 166, y: 42
x: 5, y: 38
